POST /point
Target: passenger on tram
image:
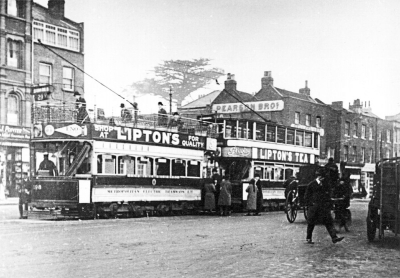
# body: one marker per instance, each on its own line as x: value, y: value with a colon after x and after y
x: 80, y: 105
x: 175, y: 121
x: 125, y: 114
x: 162, y: 115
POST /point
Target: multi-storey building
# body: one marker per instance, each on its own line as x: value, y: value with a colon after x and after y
x: 25, y: 65
x: 355, y: 137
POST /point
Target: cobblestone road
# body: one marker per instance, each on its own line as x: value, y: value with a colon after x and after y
x: 192, y: 246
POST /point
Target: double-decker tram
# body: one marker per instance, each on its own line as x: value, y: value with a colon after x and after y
x: 275, y: 152
x: 115, y: 168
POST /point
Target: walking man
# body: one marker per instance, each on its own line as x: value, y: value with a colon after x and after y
x: 318, y: 199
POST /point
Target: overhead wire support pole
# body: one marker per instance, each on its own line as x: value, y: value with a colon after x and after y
x: 58, y: 55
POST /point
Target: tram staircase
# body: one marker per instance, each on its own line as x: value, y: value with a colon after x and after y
x: 390, y: 189
x: 78, y: 160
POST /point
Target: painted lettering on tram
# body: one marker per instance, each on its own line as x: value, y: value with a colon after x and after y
x: 148, y: 136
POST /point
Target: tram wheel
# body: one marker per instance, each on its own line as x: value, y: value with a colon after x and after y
x: 291, y: 207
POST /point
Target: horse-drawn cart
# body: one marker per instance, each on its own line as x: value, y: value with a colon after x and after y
x: 384, y: 207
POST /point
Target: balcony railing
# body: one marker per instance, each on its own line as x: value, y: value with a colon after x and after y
x: 65, y: 114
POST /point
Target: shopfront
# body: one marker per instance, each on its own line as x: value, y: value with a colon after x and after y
x: 14, y: 158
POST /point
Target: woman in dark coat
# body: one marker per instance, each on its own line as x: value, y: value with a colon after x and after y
x: 209, y: 197
x: 251, y: 197
x: 225, y: 199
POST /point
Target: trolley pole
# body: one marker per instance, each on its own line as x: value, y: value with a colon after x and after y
x: 170, y: 99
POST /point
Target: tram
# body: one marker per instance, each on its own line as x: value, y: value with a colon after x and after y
x: 111, y: 168
x: 275, y: 152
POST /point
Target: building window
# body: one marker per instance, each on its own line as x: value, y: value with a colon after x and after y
x: 362, y: 154
x: 370, y: 133
x: 331, y: 152
x: 12, y: 109
x: 355, y: 130
x: 68, y: 79
x: 354, y: 153
x: 297, y: 117
x: 57, y: 36
x: 14, y: 53
x: 44, y: 73
x: 347, y: 128
x: 318, y: 121
x: 16, y: 8
x: 371, y: 155
x: 308, y: 120
x: 389, y: 135
x: 346, y: 153
x: 363, y: 131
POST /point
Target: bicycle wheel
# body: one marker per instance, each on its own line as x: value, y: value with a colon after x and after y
x: 291, y: 206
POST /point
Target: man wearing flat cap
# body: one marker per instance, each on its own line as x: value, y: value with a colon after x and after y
x: 162, y: 115
x: 80, y: 106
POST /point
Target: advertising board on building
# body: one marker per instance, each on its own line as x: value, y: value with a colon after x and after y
x: 14, y: 132
x: 259, y: 106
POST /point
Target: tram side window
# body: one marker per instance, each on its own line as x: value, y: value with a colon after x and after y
x: 288, y: 173
x: 260, y: 132
x: 259, y: 171
x: 308, y: 139
x: 162, y: 165
x: 290, y: 137
x: 281, y: 135
x: 230, y: 129
x: 145, y: 166
x: 100, y: 164
x: 269, y: 173
x: 279, y: 174
x: 299, y: 138
x: 109, y: 164
x: 194, y: 169
x: 126, y: 165
x: 271, y: 133
x: 316, y: 140
x: 178, y: 167
x: 250, y: 130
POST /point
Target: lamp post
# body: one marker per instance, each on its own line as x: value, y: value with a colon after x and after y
x: 170, y: 100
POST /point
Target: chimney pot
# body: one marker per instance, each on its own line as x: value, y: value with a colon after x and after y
x: 56, y: 8
x: 267, y: 79
x: 306, y: 90
x: 230, y: 83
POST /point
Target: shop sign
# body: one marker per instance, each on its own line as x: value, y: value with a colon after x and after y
x: 236, y: 152
x: 14, y: 132
x: 287, y: 156
x: 259, y: 106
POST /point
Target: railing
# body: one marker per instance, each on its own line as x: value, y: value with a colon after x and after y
x: 67, y: 114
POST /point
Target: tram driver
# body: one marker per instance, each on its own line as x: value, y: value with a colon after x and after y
x: 47, y: 167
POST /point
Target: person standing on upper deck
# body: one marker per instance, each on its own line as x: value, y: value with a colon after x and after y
x: 162, y: 115
x: 80, y: 105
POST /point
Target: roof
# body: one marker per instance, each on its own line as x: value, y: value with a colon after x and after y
x: 286, y: 93
x: 41, y: 13
x: 203, y: 101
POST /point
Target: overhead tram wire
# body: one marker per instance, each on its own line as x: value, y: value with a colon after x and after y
x: 251, y: 109
x: 51, y: 50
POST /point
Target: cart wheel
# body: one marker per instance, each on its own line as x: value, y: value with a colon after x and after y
x: 291, y: 207
x: 305, y: 212
x: 371, y: 229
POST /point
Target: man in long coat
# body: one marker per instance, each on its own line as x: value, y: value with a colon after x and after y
x: 225, y: 199
x: 209, y: 197
x: 260, y: 197
x: 251, y: 197
x: 318, y: 200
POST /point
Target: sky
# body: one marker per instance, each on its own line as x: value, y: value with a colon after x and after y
x: 345, y: 49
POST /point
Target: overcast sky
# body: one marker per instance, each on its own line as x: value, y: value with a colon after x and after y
x: 346, y: 49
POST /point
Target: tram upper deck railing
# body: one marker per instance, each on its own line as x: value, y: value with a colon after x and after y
x: 65, y: 114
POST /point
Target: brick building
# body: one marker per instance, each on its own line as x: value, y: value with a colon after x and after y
x: 355, y: 137
x: 26, y: 65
